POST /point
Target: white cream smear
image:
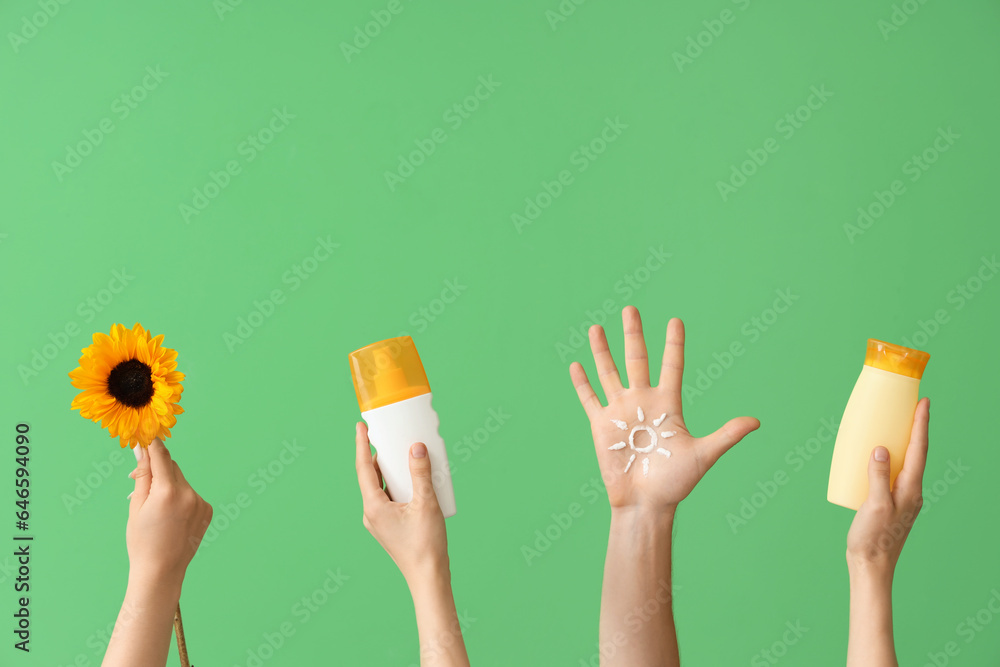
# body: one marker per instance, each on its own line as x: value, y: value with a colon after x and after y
x: 653, y: 440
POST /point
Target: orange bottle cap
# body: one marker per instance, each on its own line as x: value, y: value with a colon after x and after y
x: 387, y: 372
x: 896, y: 358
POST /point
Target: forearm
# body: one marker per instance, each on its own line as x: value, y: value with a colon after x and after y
x: 637, y: 619
x: 441, y: 642
x: 141, y: 637
x: 870, y: 642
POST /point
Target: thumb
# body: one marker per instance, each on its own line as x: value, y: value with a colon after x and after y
x: 720, y: 442
x: 878, y: 476
x: 420, y: 473
x: 143, y: 478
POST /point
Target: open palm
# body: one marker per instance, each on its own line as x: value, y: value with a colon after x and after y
x: 646, y: 455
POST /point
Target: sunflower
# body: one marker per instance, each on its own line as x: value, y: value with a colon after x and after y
x: 130, y: 385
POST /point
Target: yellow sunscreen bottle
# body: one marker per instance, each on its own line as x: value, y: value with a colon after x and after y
x: 879, y: 412
x: 395, y: 400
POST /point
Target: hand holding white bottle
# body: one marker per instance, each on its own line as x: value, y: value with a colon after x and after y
x: 396, y: 402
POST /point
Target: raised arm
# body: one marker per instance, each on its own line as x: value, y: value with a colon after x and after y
x: 650, y: 463
x: 414, y: 536
x: 875, y: 542
x: 167, y: 520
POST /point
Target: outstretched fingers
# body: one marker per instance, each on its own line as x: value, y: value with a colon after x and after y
x: 672, y: 370
x: 588, y: 397
x: 636, y: 358
x: 607, y: 372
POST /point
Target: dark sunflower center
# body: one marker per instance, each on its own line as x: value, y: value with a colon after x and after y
x: 131, y: 383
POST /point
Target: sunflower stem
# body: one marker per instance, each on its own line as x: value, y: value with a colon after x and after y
x: 181, y: 642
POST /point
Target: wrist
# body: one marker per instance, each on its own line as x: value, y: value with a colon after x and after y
x: 429, y: 576
x: 870, y: 573
x: 647, y: 518
x: 154, y: 587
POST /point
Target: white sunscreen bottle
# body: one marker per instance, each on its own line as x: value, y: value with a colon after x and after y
x: 395, y: 401
x: 879, y: 412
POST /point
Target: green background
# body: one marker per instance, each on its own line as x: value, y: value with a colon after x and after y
x: 507, y: 339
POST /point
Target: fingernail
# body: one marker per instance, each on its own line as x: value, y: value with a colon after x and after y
x: 131, y: 475
x: 129, y: 496
x: 881, y: 454
x: 138, y: 450
x: 419, y: 450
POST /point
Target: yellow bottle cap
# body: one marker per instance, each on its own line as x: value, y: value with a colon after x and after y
x: 387, y: 372
x: 896, y: 358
